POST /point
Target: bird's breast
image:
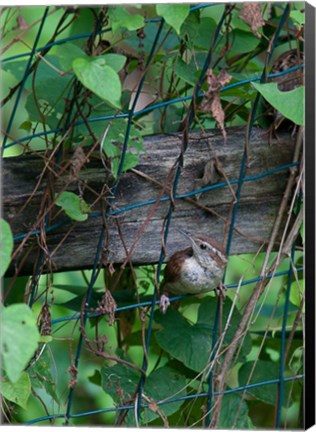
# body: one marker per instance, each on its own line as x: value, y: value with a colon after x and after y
x: 196, y: 279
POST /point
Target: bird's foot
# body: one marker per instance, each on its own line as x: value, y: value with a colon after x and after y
x: 220, y: 291
x: 164, y: 303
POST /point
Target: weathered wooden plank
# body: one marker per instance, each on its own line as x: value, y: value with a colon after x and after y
x: 259, y: 201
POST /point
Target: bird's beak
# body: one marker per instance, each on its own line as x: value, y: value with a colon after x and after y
x: 189, y: 236
x: 186, y: 234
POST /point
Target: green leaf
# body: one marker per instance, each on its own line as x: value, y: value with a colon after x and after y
x: 115, y: 61
x: 242, y: 42
x: 113, y: 144
x: 45, y: 70
x: 192, y: 343
x: 20, y: 338
x: 297, y: 292
x: 205, y: 30
x: 207, y: 315
x: 18, y: 392
x: 173, y: 14
x: 66, y: 55
x: 49, y: 98
x: 234, y: 413
x: 74, y: 289
x: 164, y: 383
x: 121, y: 382
x: 100, y: 78
x: 41, y: 375
x: 121, y: 18
x: 75, y: 207
x: 298, y: 17
x: 296, y: 363
x: 290, y: 104
x: 264, y: 371
x: 26, y: 125
x: 130, y: 161
x: 95, y: 378
x: 190, y: 28
x: 6, y: 243
x: 187, y: 72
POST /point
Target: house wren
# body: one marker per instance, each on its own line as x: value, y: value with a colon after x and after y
x: 285, y: 61
x: 287, y: 82
x: 194, y: 270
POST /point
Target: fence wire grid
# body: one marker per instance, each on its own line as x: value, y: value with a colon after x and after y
x: 140, y: 401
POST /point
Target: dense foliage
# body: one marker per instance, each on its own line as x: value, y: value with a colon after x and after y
x: 72, y: 95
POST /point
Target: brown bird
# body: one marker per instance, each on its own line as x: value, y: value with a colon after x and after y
x: 286, y: 82
x: 194, y: 270
x: 286, y: 61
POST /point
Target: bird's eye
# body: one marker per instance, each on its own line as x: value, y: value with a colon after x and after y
x: 202, y: 246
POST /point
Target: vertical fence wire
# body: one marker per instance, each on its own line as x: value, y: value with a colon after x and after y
x: 238, y: 194
x: 114, y: 190
x: 93, y: 278
x: 174, y: 193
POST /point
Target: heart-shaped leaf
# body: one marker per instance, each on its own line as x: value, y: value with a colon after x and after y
x: 290, y: 103
x: 121, y: 18
x: 17, y: 392
x: 20, y: 338
x: 173, y: 14
x: 121, y: 382
x: 192, y: 343
x: 41, y: 375
x: 75, y: 207
x: 260, y: 371
x: 100, y: 78
x: 234, y: 413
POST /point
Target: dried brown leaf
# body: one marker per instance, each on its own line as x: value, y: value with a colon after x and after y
x: 22, y: 23
x: 78, y: 160
x: 73, y: 372
x: 218, y: 113
x: 211, y: 175
x: 251, y: 14
x: 216, y: 82
x: 45, y: 319
x: 107, y: 305
x: 212, y: 102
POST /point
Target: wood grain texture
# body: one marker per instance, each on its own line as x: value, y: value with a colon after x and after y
x: 258, y: 207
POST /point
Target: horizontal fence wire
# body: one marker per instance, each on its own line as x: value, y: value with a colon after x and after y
x: 151, y: 107
x: 163, y: 199
x: 130, y: 115
x: 176, y: 298
x: 159, y: 403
